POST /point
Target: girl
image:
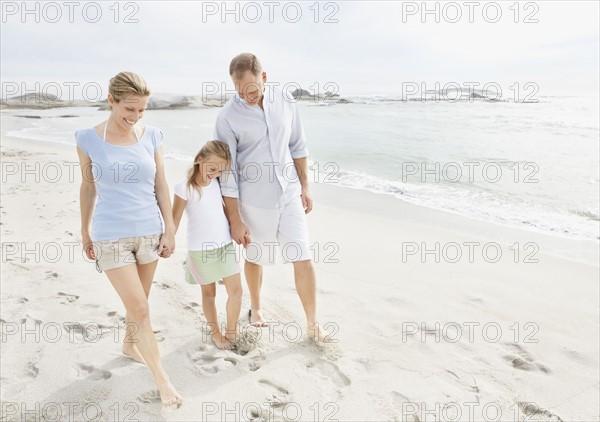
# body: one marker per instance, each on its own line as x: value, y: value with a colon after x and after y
x: 211, y: 253
x: 122, y: 167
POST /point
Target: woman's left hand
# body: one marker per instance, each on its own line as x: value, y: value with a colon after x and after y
x: 166, y: 246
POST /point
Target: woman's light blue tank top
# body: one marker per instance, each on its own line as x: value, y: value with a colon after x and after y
x: 126, y: 204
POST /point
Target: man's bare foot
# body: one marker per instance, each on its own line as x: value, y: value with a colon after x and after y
x: 131, y: 351
x: 222, y: 342
x: 168, y: 395
x: 256, y: 318
x: 316, y: 333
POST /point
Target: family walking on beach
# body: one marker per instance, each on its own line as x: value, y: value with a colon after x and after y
x: 124, y: 193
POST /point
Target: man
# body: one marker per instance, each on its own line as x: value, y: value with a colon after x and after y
x: 268, y: 196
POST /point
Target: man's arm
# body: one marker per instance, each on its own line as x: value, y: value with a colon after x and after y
x: 301, y: 165
x: 229, y: 186
x: 239, y: 231
x: 299, y: 153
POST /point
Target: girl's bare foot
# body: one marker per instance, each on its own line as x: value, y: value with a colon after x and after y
x: 131, y: 351
x: 222, y: 342
x: 168, y: 395
x: 232, y: 337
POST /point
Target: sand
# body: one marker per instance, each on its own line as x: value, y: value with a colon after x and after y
x: 416, y: 339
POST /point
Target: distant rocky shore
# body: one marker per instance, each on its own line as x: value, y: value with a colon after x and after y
x: 159, y: 101
x: 304, y: 95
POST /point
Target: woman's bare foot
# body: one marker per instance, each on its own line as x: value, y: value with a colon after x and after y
x: 222, y: 342
x: 256, y: 318
x: 131, y: 351
x: 316, y: 333
x: 168, y: 395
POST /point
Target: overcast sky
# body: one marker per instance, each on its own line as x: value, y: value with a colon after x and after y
x: 178, y: 46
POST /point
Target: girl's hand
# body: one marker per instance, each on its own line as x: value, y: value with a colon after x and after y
x: 240, y: 234
x: 88, y: 246
x: 166, y: 245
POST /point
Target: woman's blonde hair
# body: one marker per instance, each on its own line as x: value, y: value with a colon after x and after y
x: 125, y: 83
x: 211, y: 148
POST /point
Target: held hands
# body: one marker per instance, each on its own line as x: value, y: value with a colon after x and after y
x: 166, y: 246
x: 307, y: 201
x: 241, y: 234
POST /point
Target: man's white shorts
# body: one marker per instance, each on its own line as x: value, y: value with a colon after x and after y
x: 279, y: 232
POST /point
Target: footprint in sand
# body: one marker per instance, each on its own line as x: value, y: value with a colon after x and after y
x: 76, y: 328
x: 31, y: 370
x: 68, y: 297
x: 87, y: 332
x: 255, y: 358
x: 192, y: 306
x: 159, y: 337
x: 475, y: 299
x: 149, y: 397
x: 254, y: 365
x: 28, y: 321
x: 277, y: 396
x: 523, y: 360
x: 330, y: 370
x: 93, y: 373
x: 206, y: 363
x: 472, y: 387
x: 329, y: 351
x: 403, y: 406
x: 537, y: 414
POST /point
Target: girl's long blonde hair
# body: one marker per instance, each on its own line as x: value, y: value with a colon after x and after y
x: 211, y: 148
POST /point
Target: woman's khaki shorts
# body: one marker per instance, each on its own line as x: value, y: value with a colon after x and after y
x: 111, y: 254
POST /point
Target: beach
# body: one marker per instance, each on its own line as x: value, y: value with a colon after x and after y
x: 434, y: 316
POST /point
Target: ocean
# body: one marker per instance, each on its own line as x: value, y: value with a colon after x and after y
x: 534, y: 166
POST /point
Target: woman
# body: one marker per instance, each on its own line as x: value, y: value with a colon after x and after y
x: 122, y: 165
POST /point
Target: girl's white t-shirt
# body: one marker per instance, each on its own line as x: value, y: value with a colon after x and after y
x: 207, y: 225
